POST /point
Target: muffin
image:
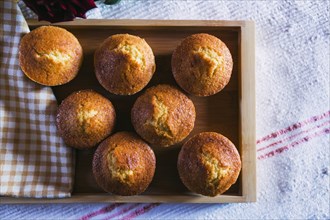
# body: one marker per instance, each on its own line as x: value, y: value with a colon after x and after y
x: 202, y: 65
x: 209, y: 164
x: 163, y: 115
x: 85, y: 118
x: 50, y: 55
x: 123, y: 164
x: 124, y: 64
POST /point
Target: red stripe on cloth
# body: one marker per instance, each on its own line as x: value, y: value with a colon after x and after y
x: 141, y: 211
x: 115, y: 215
x: 294, y: 144
x: 294, y: 127
x: 101, y: 211
x: 293, y: 136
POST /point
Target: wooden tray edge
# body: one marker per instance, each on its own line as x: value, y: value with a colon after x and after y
x: 107, y: 198
x: 142, y: 22
x: 248, y: 110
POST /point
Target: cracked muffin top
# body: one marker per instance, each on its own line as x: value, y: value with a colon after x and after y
x: 50, y: 55
x: 85, y: 118
x: 124, y: 64
x: 163, y: 115
x: 124, y: 164
x: 202, y: 65
x: 209, y: 164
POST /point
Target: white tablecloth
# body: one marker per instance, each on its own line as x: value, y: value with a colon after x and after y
x: 292, y: 93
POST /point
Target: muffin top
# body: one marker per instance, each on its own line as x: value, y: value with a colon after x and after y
x: 50, y: 55
x: 209, y: 164
x: 124, y: 64
x: 163, y: 115
x: 124, y: 164
x: 85, y: 118
x: 202, y: 65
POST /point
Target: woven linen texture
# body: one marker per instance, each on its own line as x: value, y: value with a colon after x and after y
x: 34, y: 160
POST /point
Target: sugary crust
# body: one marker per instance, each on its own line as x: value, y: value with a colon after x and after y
x: 202, y: 65
x: 50, y: 55
x: 209, y: 164
x: 124, y: 64
x: 163, y: 115
x: 85, y: 118
x: 123, y: 164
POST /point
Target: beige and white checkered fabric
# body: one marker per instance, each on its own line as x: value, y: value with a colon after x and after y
x: 34, y: 162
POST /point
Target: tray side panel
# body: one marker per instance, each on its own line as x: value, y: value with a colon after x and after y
x: 248, y: 111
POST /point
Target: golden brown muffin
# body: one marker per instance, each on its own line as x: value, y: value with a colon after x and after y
x: 209, y: 164
x: 124, y: 64
x: 124, y: 164
x: 85, y: 118
x: 202, y: 65
x: 50, y: 55
x: 163, y: 115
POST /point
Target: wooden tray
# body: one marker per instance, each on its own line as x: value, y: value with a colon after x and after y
x: 230, y: 112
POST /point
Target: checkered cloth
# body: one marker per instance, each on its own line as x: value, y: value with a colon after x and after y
x: 34, y: 161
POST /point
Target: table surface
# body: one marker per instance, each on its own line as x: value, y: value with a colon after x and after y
x: 292, y: 105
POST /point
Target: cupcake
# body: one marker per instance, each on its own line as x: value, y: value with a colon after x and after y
x: 124, y: 64
x: 209, y: 164
x: 50, y: 55
x: 202, y: 65
x: 123, y: 164
x: 163, y: 115
x: 85, y: 118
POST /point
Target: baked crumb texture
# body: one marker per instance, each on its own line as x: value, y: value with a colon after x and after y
x: 202, y: 65
x: 124, y: 64
x: 50, y: 55
x: 124, y: 164
x: 85, y: 118
x: 163, y: 115
x: 209, y: 164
